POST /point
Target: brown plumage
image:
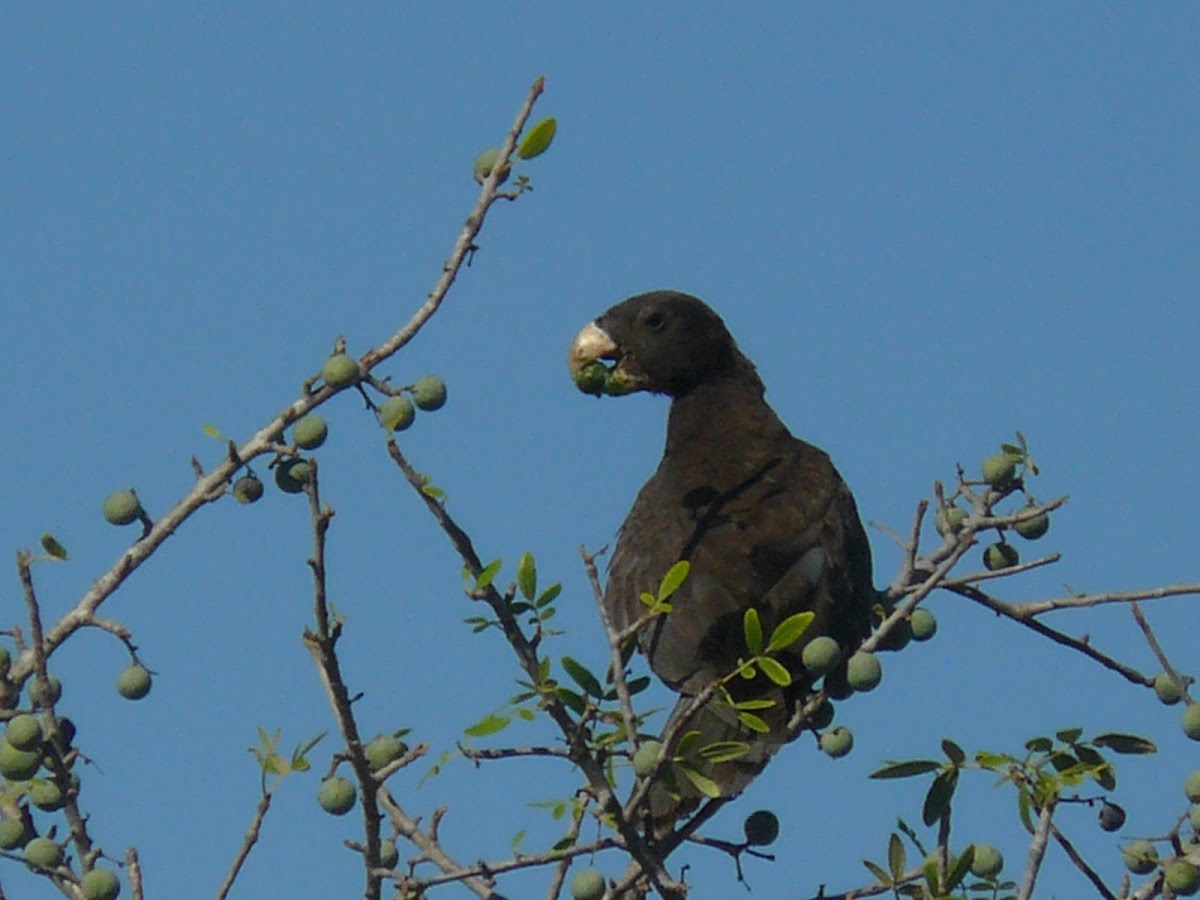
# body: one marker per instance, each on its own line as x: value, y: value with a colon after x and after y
x: 763, y: 517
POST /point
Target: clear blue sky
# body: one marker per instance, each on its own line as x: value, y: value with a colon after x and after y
x: 929, y: 225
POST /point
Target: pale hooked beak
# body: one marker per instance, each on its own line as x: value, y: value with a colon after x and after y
x: 590, y: 345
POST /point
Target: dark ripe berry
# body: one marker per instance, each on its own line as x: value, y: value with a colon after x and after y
x: 1112, y: 817
x: 761, y: 828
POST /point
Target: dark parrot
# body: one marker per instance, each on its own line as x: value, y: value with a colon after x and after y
x: 764, y: 519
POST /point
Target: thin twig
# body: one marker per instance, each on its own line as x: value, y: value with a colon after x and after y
x: 1081, y: 864
x: 1037, y: 850
x: 249, y: 839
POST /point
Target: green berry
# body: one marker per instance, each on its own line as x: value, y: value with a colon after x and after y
x: 46, y: 693
x: 18, y: 765
x: 761, y: 828
x: 43, y: 852
x: 988, y: 861
x: 588, y: 884
x: 397, y: 413
x: 864, y: 671
x: 47, y: 796
x: 1000, y: 556
x: 1191, y: 721
x: 484, y: 163
x: 951, y: 522
x: 591, y: 378
x: 1032, y: 529
x: 1112, y: 817
x: 340, y: 370
x: 101, y: 884
x: 24, y: 732
x: 924, y: 625
x: 1182, y: 877
x: 820, y: 655
x: 13, y: 834
x: 1000, y: 471
x: 898, y: 637
x: 134, y: 682
x: 121, y: 508
x: 1191, y: 786
x: 646, y: 757
x: 292, y: 474
x: 388, y: 855
x: 310, y: 432
x: 1168, y: 692
x: 336, y: 796
x: 429, y: 393
x: 1140, y: 857
x: 247, y: 489
x: 1194, y: 817
x: 383, y: 749
x: 837, y: 741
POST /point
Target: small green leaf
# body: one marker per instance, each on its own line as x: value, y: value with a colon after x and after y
x: 724, y: 751
x: 897, y: 857
x: 51, y: 545
x: 213, y: 432
x: 961, y: 867
x: 527, y: 577
x: 789, y: 631
x: 993, y: 761
x: 537, y: 140
x: 906, y: 769
x: 517, y: 838
x: 1024, y: 809
x: 775, y: 670
x: 582, y: 677
x: 647, y: 599
x: 937, y: 800
x: 572, y: 700
x: 754, y: 703
x: 673, y: 579
x: 1063, y: 762
x: 1069, y: 735
x: 485, y: 578
x: 1129, y: 744
x: 525, y: 714
x: 549, y: 595
x: 752, y: 629
x: 637, y: 685
x: 490, y: 724
x: 703, y: 783
x: 880, y: 875
x: 1039, y: 744
x: 754, y: 723
x: 953, y: 752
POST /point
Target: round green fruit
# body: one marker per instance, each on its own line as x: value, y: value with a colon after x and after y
x: 247, y: 489
x: 898, y: 637
x: 820, y: 655
x: 45, y: 693
x: 837, y: 741
x: 923, y: 623
x: 1191, y: 721
x: 1140, y: 857
x: 761, y: 828
x: 18, y: 765
x: 1165, y: 688
x: 1112, y: 817
x: 14, y: 834
x: 389, y: 856
x: 121, y: 508
x: 951, y: 522
x: 383, y: 749
x: 646, y: 756
x: 988, y: 861
x: 101, y: 884
x: 864, y: 671
x: 1182, y: 877
x: 292, y: 474
x: 484, y: 163
x: 429, y: 393
x: 592, y: 378
x: 397, y: 413
x: 310, y: 432
x: 336, y: 796
x: 24, y: 732
x: 1000, y: 471
x: 588, y: 884
x: 134, y: 683
x: 1000, y: 556
x: 340, y: 371
x: 47, y: 796
x: 1032, y: 529
x: 43, y: 852
x: 1191, y: 786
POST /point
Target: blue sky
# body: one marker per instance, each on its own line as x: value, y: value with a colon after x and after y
x: 929, y: 225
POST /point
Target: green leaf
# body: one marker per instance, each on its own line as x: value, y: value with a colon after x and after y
x: 1039, y: 744
x: 703, y: 783
x: 897, y: 857
x: 880, y: 875
x: 724, y: 751
x: 789, y: 631
x: 1129, y: 744
x: 673, y: 579
x: 549, y: 595
x: 637, y: 685
x: 537, y: 139
x: 517, y: 838
x: 775, y: 670
x: 954, y: 752
x: 993, y: 761
x: 754, y: 703
x: 572, y: 700
x: 1063, y: 762
x: 527, y: 576
x: 525, y: 714
x: 963, y: 865
x: 937, y: 800
x: 213, y: 432
x: 754, y: 723
x: 582, y: 677
x: 752, y: 629
x: 485, y: 578
x: 1069, y: 735
x: 906, y: 769
x: 51, y: 545
x: 490, y: 724
x: 647, y: 599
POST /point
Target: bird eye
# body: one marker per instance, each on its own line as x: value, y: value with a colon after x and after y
x: 654, y: 321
